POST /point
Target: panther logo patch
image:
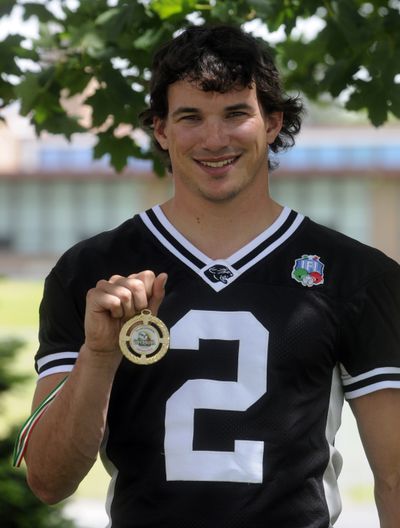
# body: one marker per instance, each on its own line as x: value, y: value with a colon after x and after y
x: 219, y: 273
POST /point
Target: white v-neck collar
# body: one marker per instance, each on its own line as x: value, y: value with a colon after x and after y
x: 221, y: 272
x: 178, y: 236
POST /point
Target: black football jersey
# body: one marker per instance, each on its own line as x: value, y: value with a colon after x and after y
x: 235, y: 426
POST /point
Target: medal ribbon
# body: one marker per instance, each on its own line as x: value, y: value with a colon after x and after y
x: 24, y: 434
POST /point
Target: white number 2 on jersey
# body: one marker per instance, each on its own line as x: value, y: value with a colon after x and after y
x: 245, y: 463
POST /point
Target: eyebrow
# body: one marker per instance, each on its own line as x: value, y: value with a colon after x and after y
x: 239, y: 106
x: 185, y: 110
x: 191, y: 110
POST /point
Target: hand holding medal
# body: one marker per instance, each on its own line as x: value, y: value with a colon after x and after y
x: 119, y: 318
x: 144, y: 339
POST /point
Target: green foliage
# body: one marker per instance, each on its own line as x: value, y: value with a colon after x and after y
x: 19, y: 508
x: 357, y: 51
x: 104, y: 50
x: 8, y: 378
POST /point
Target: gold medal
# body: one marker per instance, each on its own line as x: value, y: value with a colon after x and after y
x: 144, y: 339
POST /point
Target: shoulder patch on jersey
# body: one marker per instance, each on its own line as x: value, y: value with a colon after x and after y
x: 308, y: 270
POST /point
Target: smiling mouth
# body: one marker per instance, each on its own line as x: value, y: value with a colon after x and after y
x: 218, y: 164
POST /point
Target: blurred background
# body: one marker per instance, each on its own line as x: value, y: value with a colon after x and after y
x: 343, y: 172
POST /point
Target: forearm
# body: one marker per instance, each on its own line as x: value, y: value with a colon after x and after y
x: 387, y: 497
x: 377, y: 416
x: 65, y: 442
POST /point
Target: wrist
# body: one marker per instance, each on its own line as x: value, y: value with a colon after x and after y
x: 100, y: 360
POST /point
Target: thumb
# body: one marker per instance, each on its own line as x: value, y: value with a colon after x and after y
x: 158, y: 293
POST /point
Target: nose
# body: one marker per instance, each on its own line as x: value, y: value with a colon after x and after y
x: 215, y: 135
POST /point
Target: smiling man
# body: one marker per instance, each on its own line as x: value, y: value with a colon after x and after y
x: 273, y: 319
x: 217, y: 147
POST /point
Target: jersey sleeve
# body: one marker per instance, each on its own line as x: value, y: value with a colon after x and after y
x: 370, y: 337
x: 61, y: 332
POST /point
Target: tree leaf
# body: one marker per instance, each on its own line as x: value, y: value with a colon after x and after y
x: 395, y: 100
x: 93, y: 44
x: 57, y: 123
x: 106, y: 16
x: 167, y: 8
x: 99, y: 102
x: 149, y: 38
x: 378, y: 113
x: 338, y: 76
x: 119, y: 149
x: 10, y: 49
x: 37, y: 10
x: 115, y: 20
x: 27, y: 91
x: 368, y: 95
x: 158, y: 166
x: 266, y: 11
x: 6, y: 6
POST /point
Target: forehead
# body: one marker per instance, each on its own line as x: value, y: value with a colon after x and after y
x: 187, y: 94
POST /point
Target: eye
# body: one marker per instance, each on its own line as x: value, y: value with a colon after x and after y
x: 190, y: 117
x: 236, y: 113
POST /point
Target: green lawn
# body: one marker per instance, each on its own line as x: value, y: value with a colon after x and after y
x: 19, y: 305
x: 19, y: 302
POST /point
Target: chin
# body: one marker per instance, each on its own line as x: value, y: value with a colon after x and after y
x: 219, y: 196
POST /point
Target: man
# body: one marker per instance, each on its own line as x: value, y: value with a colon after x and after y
x: 271, y: 318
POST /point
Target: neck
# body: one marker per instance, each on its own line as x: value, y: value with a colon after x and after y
x: 221, y: 229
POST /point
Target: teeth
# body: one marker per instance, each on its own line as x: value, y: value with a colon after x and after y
x: 217, y: 163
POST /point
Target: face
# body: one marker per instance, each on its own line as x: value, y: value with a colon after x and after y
x: 217, y: 142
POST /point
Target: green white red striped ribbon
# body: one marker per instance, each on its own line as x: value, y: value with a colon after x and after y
x: 24, y: 434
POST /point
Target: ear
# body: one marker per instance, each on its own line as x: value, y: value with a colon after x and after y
x: 159, y: 132
x: 273, y: 125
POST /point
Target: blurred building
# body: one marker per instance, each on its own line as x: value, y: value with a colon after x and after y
x: 347, y: 178
x: 52, y: 194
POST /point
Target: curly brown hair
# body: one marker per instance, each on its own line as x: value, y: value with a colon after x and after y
x: 221, y: 58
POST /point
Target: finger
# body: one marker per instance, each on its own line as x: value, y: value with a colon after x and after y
x: 102, y: 302
x: 141, y: 286
x: 133, y: 290
x: 147, y: 277
x: 129, y: 295
x: 158, y: 292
